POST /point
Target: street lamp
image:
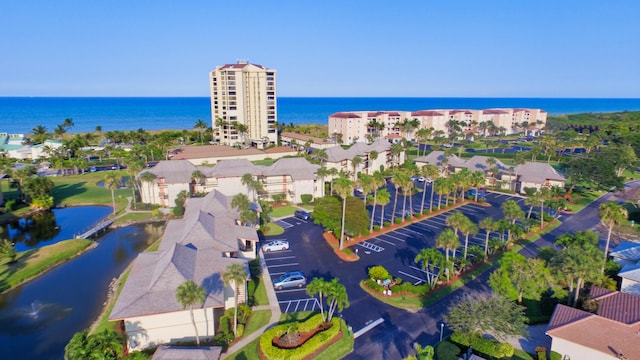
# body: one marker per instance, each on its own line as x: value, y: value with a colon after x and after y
x: 441, y: 330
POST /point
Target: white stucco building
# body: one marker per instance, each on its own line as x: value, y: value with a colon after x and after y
x: 198, y: 247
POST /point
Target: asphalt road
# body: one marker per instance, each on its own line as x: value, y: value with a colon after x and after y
x: 394, y: 336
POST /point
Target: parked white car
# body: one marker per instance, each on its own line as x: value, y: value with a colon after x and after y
x: 276, y: 245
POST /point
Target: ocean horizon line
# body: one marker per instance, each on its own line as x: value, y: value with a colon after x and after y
x: 324, y: 97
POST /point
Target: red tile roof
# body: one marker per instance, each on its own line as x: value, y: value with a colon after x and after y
x: 344, y: 115
x: 617, y: 306
x: 494, y: 111
x: 426, y: 113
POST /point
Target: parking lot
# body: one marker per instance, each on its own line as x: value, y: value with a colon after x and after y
x: 283, y: 261
x: 395, y: 250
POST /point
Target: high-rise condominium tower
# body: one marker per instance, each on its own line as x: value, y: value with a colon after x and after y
x: 243, y: 104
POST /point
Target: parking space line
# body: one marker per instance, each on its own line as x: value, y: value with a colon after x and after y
x: 411, y: 276
x: 407, y: 229
x: 379, y: 239
x: 284, y: 224
x: 393, y: 237
x: 281, y: 265
x: 370, y: 246
x: 280, y: 258
x: 290, y: 290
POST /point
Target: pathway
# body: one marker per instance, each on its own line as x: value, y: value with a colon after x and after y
x: 273, y: 306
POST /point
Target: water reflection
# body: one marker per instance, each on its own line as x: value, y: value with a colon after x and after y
x: 39, y: 318
x: 50, y: 227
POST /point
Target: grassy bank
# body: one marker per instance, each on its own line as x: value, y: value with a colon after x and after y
x: 84, y: 189
x: 32, y: 263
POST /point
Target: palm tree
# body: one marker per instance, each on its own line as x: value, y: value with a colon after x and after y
x: 512, y: 212
x: 396, y: 151
x: 488, y: 225
x: 447, y: 240
x: 477, y: 179
x: 383, y: 199
x: 133, y: 168
x: 318, y: 286
x: 197, y: 177
x: 337, y: 297
x: 423, y: 135
x: 377, y: 180
x: 357, y: 160
x: 190, y: 294
x: 148, y: 177
x: 611, y: 214
x: 430, y: 172
x: 247, y: 180
x: 234, y: 274
x: 373, y: 156
x: 112, y: 181
x: 59, y: 131
x: 468, y: 228
x: 344, y: 188
x: 366, y: 183
x: 39, y: 134
x: 200, y: 125
x: 397, y: 179
x: 432, y: 262
x: 456, y: 221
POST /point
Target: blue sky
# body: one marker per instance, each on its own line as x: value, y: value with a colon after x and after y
x: 544, y: 48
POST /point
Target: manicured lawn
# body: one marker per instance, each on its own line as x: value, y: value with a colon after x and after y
x: 273, y: 229
x: 582, y: 199
x: 259, y: 318
x: 260, y: 295
x: 32, y: 263
x: 281, y: 211
x: 341, y: 347
x: 83, y: 189
x: 130, y: 217
x: 249, y: 352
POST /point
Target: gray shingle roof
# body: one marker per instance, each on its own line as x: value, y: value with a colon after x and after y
x: 536, y: 172
x: 208, y: 222
x: 298, y: 168
x: 191, y: 249
x: 174, y: 171
x: 337, y: 153
x: 155, y: 276
x: 237, y: 167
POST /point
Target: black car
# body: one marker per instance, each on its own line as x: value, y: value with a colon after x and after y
x: 302, y: 215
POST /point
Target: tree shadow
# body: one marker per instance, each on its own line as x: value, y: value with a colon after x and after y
x: 11, y: 268
x: 65, y: 191
x: 405, y: 256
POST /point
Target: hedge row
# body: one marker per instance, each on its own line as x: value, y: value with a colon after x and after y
x: 308, y: 348
x: 490, y: 347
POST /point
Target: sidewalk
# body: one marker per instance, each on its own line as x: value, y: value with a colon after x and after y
x: 273, y: 306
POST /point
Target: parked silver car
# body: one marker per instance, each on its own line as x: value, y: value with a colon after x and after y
x: 275, y: 245
x: 290, y: 280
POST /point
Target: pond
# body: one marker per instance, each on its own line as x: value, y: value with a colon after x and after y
x: 39, y: 318
x: 50, y: 227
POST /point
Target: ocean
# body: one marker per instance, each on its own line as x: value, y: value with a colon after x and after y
x: 22, y: 114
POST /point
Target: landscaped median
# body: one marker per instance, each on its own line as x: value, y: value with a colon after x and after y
x: 413, y: 297
x: 308, y: 338
x: 347, y: 254
x: 32, y: 263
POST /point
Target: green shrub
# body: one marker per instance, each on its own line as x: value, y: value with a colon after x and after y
x: 417, y: 289
x: 305, y: 350
x: 254, y: 268
x: 178, y: 210
x: 10, y: 205
x: 347, y: 251
x: 447, y: 350
x: 426, y: 212
x: 416, y: 214
x: 397, y: 220
x: 155, y: 213
x: 306, y: 198
x: 490, y: 347
x: 398, y: 281
x: 366, y: 232
x: 240, y: 330
x: 376, y: 227
x: 378, y: 272
x: 555, y: 355
x: 224, y: 324
x: 386, y: 224
x: 372, y: 284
